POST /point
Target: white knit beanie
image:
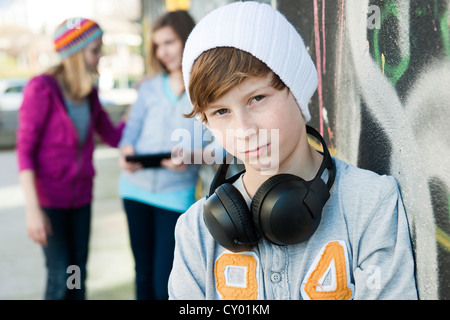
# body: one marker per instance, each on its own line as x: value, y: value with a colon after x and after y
x: 263, y: 32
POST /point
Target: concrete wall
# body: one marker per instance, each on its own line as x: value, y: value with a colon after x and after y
x: 383, y: 103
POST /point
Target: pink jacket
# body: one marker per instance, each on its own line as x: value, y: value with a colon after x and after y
x: 47, y: 142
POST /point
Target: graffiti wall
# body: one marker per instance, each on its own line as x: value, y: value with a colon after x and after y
x: 383, y: 103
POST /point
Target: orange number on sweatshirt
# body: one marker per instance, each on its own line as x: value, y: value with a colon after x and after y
x: 330, y: 266
x: 236, y: 277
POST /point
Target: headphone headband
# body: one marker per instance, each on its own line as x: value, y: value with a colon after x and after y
x: 327, y: 162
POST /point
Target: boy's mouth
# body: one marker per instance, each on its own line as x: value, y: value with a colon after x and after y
x: 257, y: 152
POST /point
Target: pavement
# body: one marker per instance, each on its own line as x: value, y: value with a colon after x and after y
x: 110, y: 263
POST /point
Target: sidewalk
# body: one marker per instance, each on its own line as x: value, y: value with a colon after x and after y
x: 110, y: 264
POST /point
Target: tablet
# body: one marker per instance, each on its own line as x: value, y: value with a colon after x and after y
x: 149, y: 160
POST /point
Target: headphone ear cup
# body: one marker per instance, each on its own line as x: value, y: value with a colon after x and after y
x: 280, y: 212
x: 259, y: 196
x: 228, y: 219
x: 239, y: 213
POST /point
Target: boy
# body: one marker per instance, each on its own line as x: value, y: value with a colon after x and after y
x: 247, y: 71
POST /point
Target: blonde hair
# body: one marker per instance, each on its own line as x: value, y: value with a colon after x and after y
x: 73, y: 75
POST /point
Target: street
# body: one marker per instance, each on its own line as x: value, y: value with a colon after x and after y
x: 110, y: 264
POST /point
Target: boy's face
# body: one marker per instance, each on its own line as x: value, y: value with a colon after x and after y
x: 257, y: 124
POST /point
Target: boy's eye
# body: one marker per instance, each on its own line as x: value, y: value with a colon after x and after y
x: 257, y: 98
x: 221, y: 111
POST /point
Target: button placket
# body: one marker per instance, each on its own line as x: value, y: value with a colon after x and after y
x: 278, y: 276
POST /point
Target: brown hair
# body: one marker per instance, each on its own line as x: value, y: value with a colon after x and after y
x: 218, y: 70
x: 73, y: 75
x: 181, y: 22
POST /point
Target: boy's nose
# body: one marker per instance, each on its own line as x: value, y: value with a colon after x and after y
x: 245, y: 128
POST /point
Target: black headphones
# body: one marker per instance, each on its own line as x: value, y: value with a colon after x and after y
x: 285, y: 209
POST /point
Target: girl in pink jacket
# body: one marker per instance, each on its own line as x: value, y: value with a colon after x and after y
x: 55, y: 143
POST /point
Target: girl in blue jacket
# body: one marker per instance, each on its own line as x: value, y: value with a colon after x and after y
x: 154, y: 198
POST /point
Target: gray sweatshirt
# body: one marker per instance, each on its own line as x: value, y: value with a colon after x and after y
x: 361, y: 250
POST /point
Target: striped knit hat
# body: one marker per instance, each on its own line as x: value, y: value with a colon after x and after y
x: 263, y: 32
x: 74, y: 34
